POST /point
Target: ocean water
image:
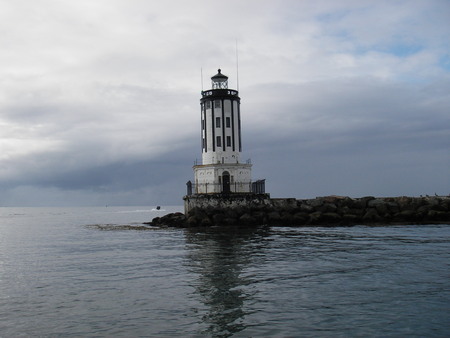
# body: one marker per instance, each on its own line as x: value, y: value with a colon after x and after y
x: 99, y: 272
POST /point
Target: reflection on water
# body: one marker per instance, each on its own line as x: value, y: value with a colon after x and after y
x: 358, y: 281
x: 218, y: 256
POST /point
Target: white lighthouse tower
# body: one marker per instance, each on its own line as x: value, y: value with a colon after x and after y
x: 222, y: 171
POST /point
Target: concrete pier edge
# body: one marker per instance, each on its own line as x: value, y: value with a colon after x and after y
x: 249, y: 209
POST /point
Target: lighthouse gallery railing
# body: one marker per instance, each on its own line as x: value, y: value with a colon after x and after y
x: 256, y: 187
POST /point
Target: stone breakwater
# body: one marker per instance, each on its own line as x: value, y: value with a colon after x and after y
x: 322, y: 211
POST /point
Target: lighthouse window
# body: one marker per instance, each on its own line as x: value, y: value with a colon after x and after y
x: 228, y: 122
x: 228, y: 141
x: 217, y: 104
x: 219, y: 141
x: 208, y: 104
x: 217, y: 122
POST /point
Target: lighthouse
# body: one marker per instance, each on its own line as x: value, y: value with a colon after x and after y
x: 222, y: 171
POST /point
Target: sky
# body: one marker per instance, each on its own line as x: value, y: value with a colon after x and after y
x: 99, y: 100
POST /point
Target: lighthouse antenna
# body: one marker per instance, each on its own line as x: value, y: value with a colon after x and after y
x: 201, y: 76
x: 237, y: 67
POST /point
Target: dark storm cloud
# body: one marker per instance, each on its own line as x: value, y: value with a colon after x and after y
x: 354, y: 111
x: 352, y: 138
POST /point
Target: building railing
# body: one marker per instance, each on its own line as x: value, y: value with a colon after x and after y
x: 199, y: 162
x: 256, y: 187
x: 222, y: 91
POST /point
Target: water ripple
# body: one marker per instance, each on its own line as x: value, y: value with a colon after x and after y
x: 68, y: 273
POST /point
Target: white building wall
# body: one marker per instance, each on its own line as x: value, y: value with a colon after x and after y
x: 218, y: 155
x: 208, y: 178
x: 207, y: 156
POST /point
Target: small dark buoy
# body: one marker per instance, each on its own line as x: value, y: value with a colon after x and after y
x: 158, y: 207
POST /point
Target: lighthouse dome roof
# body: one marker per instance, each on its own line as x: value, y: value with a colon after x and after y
x: 219, y: 77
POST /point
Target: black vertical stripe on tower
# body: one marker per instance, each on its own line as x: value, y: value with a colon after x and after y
x: 201, y: 127
x: 223, y: 125
x: 213, y: 126
x: 204, y: 130
x: 239, y: 126
x: 232, y: 125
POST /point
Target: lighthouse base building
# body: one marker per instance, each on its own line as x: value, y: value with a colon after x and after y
x: 223, y: 178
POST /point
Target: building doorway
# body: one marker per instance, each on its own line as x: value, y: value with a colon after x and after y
x: 226, y: 182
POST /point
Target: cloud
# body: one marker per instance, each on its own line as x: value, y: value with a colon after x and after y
x: 100, y: 100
